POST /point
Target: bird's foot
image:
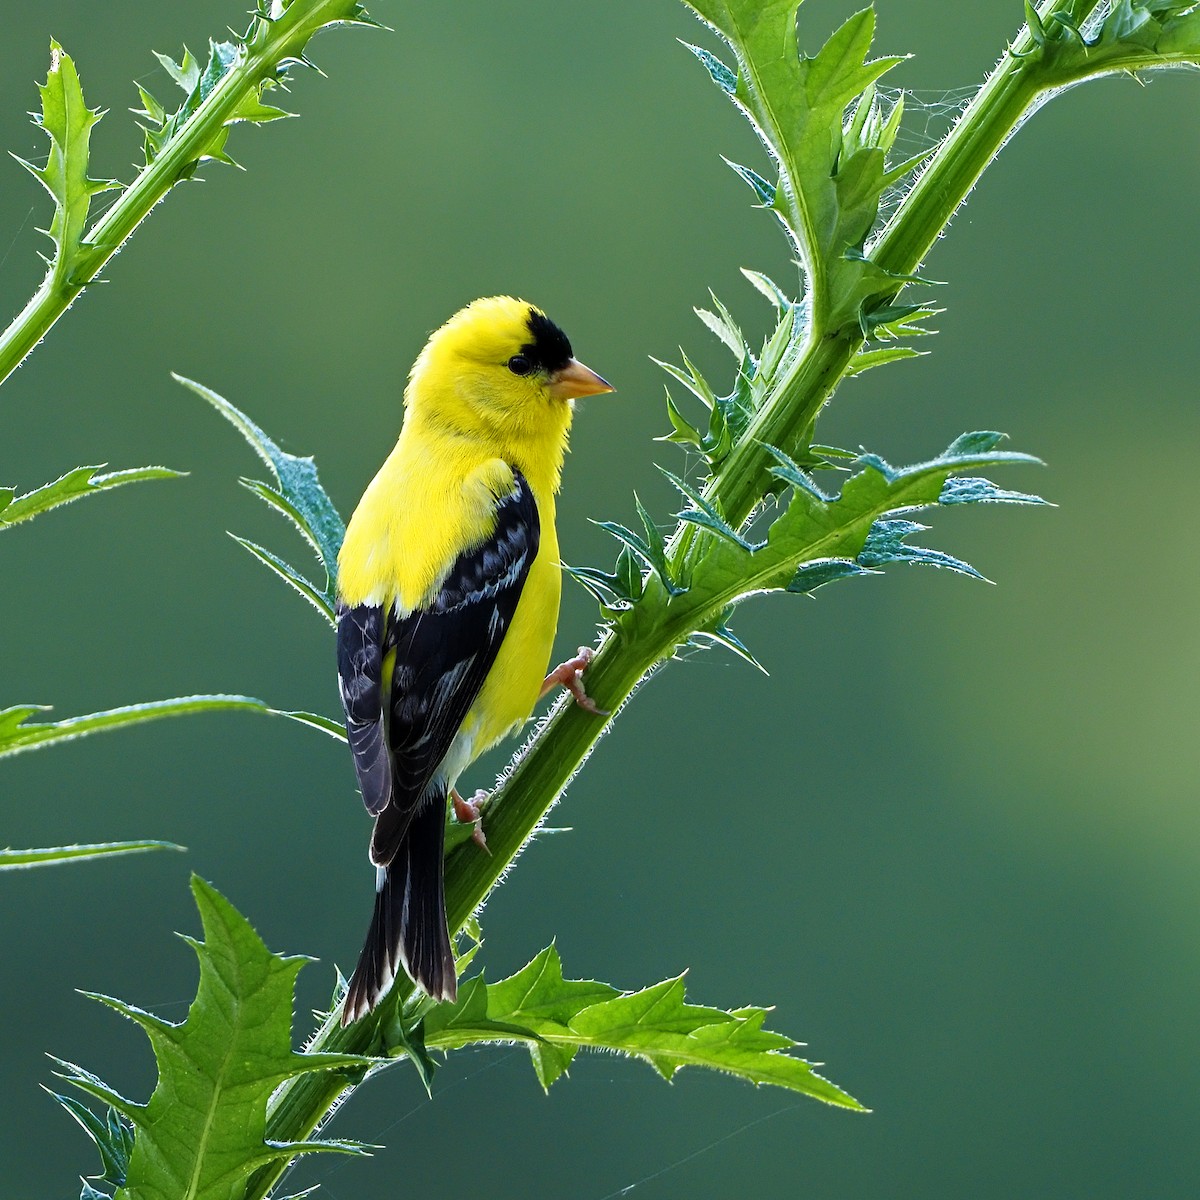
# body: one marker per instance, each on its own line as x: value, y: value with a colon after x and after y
x: 470, y: 812
x: 570, y: 676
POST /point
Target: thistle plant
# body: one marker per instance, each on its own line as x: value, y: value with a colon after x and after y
x: 772, y: 509
x: 227, y: 89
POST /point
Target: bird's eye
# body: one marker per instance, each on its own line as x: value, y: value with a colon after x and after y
x: 520, y: 365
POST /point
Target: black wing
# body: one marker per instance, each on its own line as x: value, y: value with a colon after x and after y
x: 360, y: 652
x: 443, y: 654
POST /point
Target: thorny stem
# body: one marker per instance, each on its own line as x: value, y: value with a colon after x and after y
x: 257, y: 62
x: 629, y: 652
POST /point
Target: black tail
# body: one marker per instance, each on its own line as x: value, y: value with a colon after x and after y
x: 408, y: 929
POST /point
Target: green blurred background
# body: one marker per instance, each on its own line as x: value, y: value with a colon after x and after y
x: 953, y: 837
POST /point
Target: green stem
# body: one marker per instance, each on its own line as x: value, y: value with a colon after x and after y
x: 546, y: 766
x: 64, y: 281
x: 538, y: 779
x: 1000, y: 106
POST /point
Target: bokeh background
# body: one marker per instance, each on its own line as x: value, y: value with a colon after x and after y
x: 953, y: 837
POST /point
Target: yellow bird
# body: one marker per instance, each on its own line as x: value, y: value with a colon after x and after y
x: 448, y: 593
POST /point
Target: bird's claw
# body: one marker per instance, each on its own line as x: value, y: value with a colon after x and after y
x: 570, y: 676
x: 470, y: 812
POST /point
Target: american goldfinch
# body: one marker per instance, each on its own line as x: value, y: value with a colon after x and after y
x: 448, y: 593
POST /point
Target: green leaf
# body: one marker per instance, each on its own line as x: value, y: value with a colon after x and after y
x: 227, y: 90
x: 964, y: 490
x: 112, y: 1136
x: 831, y: 177
x: 722, y: 76
x: 770, y: 289
x: 298, y: 495
x: 649, y: 549
x: 327, y: 725
x: 82, y: 481
x: 821, y: 571
x: 67, y: 121
x: 14, y: 859
x: 886, y: 544
x: 765, y: 191
x: 558, y: 1017
x: 321, y: 601
x: 818, y: 538
x: 18, y: 733
x: 719, y: 634
x: 704, y: 513
x: 202, y: 1132
x: 722, y: 324
x: 277, y: 38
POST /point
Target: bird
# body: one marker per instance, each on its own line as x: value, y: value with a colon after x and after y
x: 448, y: 588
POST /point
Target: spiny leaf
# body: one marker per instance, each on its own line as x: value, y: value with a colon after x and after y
x: 203, y: 1129
x: 112, y: 1136
x: 18, y: 733
x: 326, y: 725
x: 649, y: 549
x: 762, y: 189
x: 719, y: 634
x: 300, y: 497
x: 885, y: 544
x: 605, y: 587
x: 323, y: 602
x: 13, y: 859
x: 722, y: 76
x: 277, y: 38
x: 964, y: 490
x: 770, y: 289
x: 67, y: 121
x: 704, y: 513
x: 821, y: 571
x: 818, y: 538
x: 831, y: 177
x: 82, y: 481
x: 558, y: 1017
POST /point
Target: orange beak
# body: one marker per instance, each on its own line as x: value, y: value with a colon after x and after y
x: 575, y: 380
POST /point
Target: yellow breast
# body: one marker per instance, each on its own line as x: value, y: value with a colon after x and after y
x: 427, y: 504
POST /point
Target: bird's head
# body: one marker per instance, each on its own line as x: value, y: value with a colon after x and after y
x: 502, y: 370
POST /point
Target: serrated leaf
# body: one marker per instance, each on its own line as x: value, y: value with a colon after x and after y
x: 227, y: 90
x: 326, y: 725
x: 721, y: 75
x: 323, y: 602
x: 821, y: 571
x: 298, y: 495
x: 203, y: 1129
x: 648, y: 549
x: 885, y: 544
x: 964, y: 490
x: 18, y: 733
x: 770, y: 289
x: 14, y: 859
x: 762, y: 189
x: 112, y: 1137
x: 818, y: 538
x: 683, y: 431
x: 691, y: 379
x: 703, y: 512
x: 790, y: 472
x: 831, y: 178
x: 603, y: 586
x: 719, y: 634
x: 557, y: 1018
x: 82, y: 481
x: 68, y: 122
